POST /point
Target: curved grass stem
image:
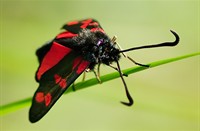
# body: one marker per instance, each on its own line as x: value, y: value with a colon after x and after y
x: 12, y: 107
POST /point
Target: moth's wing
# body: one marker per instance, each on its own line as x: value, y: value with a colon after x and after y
x: 76, y: 26
x: 42, y: 51
x: 72, y: 30
x: 54, y: 82
x: 50, y: 57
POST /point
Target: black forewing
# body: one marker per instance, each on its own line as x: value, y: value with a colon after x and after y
x: 49, y: 90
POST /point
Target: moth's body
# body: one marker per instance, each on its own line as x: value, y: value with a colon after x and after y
x: 95, y: 47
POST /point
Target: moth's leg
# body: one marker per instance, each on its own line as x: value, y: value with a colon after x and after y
x: 97, y: 76
x: 98, y: 70
x: 115, y: 68
x: 125, y: 55
x: 137, y: 62
x: 84, y: 75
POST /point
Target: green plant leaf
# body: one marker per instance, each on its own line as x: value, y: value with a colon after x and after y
x: 12, y: 107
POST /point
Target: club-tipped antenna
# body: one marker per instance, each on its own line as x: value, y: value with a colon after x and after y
x: 126, y: 89
x: 156, y: 45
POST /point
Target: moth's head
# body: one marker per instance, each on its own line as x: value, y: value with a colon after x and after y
x: 107, y: 52
x: 97, y: 47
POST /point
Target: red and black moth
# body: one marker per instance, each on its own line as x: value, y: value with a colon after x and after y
x: 81, y: 47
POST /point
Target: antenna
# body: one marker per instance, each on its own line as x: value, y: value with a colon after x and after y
x: 156, y: 45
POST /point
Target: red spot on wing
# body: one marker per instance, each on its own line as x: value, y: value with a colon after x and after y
x: 60, y: 81
x: 40, y: 97
x: 47, y: 99
x: 66, y: 34
x: 63, y: 83
x: 57, y: 78
x: 84, y: 64
x: 76, y: 61
x: 55, y: 54
x: 94, y: 24
x: 81, y: 64
x: 97, y: 29
x: 72, y: 23
x: 86, y: 23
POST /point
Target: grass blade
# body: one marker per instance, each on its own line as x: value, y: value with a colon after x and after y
x: 12, y: 107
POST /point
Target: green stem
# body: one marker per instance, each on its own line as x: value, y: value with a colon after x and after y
x: 12, y: 107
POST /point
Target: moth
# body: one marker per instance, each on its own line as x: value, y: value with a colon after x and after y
x: 83, y: 46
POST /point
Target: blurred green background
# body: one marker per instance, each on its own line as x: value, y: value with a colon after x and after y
x: 166, y: 97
